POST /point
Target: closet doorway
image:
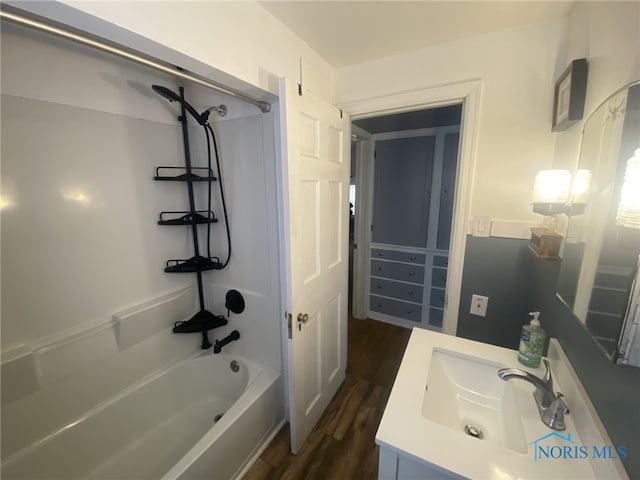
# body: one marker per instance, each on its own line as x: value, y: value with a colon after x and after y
x: 404, y: 167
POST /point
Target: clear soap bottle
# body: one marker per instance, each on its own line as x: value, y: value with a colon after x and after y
x: 532, y: 339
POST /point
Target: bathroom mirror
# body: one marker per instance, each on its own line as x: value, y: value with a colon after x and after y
x: 599, y: 259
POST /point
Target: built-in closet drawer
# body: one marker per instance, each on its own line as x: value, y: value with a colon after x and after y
x: 437, y: 298
x: 396, y: 308
x: 395, y: 256
x: 397, y: 271
x: 440, y: 261
x: 435, y: 317
x: 438, y: 277
x: 402, y: 291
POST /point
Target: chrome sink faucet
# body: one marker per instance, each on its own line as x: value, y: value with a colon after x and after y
x: 551, y: 405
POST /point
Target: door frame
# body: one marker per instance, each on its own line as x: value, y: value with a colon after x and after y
x: 469, y: 94
x: 364, y: 192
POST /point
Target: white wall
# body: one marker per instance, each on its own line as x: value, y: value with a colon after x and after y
x: 234, y: 39
x: 248, y: 165
x: 517, y: 68
x: 608, y: 35
x: 80, y: 137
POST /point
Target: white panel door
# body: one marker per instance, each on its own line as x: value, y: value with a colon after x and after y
x: 316, y: 141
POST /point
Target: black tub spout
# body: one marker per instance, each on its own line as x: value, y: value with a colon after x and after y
x: 235, y: 335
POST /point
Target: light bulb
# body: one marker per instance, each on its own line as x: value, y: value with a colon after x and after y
x: 552, y: 186
x: 629, y: 206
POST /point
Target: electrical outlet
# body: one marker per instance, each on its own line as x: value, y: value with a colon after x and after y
x: 479, y: 305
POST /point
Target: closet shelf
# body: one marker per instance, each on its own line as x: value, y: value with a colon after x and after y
x: 192, y: 265
x: 187, y: 218
x: 187, y: 176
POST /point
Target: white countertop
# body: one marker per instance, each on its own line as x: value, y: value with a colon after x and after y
x: 403, y: 428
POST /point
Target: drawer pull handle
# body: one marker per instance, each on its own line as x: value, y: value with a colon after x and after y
x: 379, y: 269
x: 410, y: 292
x: 379, y: 287
x: 380, y: 254
x: 409, y: 312
x: 411, y: 274
x: 379, y: 305
x: 413, y: 257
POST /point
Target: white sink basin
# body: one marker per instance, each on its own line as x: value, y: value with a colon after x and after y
x: 446, y: 383
x: 465, y: 394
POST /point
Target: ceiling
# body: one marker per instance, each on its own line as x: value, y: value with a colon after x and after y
x: 351, y: 32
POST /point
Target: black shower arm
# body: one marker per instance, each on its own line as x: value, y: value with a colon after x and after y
x: 201, y: 118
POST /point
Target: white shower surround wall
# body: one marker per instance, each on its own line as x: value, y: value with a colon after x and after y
x: 165, y: 427
x: 84, y: 358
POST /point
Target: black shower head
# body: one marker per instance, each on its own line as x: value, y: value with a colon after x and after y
x: 166, y: 93
x: 174, y: 97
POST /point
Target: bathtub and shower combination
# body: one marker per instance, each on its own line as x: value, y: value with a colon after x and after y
x: 204, y: 417
x: 119, y: 396
x: 122, y: 397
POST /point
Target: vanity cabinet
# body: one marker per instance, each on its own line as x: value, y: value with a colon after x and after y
x: 414, y: 182
x: 398, y: 466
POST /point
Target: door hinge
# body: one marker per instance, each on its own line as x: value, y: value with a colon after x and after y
x: 300, y: 82
x: 289, y: 325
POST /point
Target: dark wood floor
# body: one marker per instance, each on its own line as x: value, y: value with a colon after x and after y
x: 341, y: 446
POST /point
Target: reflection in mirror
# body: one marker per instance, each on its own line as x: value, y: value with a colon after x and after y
x: 600, y: 257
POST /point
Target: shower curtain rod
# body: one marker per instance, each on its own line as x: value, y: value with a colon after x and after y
x: 76, y: 37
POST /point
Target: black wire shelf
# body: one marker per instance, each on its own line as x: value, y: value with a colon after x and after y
x: 170, y: 174
x: 187, y: 218
x: 200, y: 322
x: 203, y: 321
x: 192, y: 265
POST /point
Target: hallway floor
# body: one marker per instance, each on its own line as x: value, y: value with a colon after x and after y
x: 341, y: 446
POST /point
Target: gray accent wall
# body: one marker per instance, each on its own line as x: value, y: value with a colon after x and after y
x: 496, y: 268
x: 516, y: 283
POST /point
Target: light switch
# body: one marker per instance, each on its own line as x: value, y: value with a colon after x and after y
x: 481, y: 226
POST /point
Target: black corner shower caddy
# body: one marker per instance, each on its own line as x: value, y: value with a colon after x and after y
x: 202, y: 321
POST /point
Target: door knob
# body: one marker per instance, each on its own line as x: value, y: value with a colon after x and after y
x: 302, y: 318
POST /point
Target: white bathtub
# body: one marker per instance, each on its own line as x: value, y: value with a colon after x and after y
x: 167, y: 426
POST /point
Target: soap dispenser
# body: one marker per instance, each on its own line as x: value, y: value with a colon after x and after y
x: 532, y: 341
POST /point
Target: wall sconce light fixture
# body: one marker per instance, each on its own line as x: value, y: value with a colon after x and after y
x: 551, y: 191
x: 555, y: 192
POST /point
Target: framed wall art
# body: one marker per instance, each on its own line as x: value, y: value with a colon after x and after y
x: 569, y: 95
